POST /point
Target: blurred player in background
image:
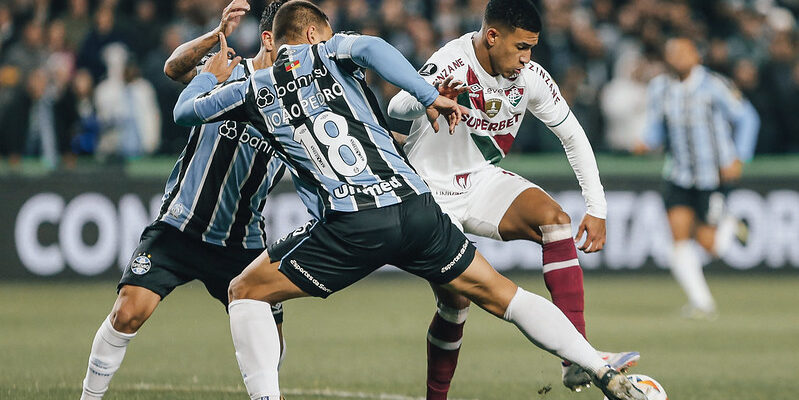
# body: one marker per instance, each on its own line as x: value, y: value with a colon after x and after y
x: 708, y: 130
x: 210, y: 225
x: 501, y: 85
x: 372, y: 209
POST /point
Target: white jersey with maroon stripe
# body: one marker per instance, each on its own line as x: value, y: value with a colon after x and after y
x: 497, y: 106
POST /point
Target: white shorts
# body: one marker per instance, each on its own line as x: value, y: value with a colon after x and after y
x: 477, y: 201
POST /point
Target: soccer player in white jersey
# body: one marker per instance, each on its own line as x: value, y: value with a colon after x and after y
x: 709, y: 130
x: 500, y: 84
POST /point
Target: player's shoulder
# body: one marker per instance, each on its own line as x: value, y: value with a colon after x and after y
x: 340, y: 41
x: 534, y: 70
x: 722, y: 83
x: 659, y: 82
x: 448, y: 58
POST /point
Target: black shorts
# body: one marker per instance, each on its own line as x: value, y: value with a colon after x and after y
x: 707, y: 204
x: 324, y: 257
x: 167, y: 258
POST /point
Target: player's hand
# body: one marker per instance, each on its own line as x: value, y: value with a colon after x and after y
x: 594, y: 230
x: 219, y: 64
x: 450, y: 88
x: 732, y: 172
x: 399, y: 138
x: 231, y: 16
x: 447, y: 107
x: 640, y: 148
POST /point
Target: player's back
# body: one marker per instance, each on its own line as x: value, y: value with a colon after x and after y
x: 218, y: 186
x: 327, y: 125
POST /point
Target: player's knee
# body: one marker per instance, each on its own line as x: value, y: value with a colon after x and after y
x: 238, y: 289
x: 555, y: 216
x: 127, y: 319
x: 455, y: 302
x: 234, y: 290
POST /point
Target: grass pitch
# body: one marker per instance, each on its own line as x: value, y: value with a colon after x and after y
x: 368, y: 342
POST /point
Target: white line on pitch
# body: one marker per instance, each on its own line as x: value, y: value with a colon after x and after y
x: 290, y: 392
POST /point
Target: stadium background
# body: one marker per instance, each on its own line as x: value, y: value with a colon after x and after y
x: 75, y: 192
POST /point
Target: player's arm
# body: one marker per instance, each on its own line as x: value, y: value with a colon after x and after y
x: 743, y: 118
x: 182, y: 64
x: 374, y: 53
x: 654, y: 128
x: 203, y: 101
x: 405, y: 107
x: 581, y: 158
x: 549, y: 106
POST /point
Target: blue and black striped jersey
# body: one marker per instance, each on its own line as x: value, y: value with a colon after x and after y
x: 705, y: 123
x: 322, y: 120
x: 218, y: 187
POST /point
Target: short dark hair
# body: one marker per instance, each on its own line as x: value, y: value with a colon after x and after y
x: 514, y: 14
x: 293, y: 17
x: 268, y: 16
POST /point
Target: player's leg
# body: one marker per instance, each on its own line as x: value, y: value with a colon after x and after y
x: 536, y: 216
x: 540, y: 321
x: 217, y: 266
x: 439, y: 252
x: 444, y: 341
x: 686, y: 266
x: 509, y: 207
x: 252, y: 326
x: 150, y: 276
x: 132, y: 308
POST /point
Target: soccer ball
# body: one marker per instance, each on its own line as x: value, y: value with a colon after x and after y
x: 651, y: 388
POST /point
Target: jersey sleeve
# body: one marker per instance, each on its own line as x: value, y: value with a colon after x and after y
x: 204, y: 101
x: 741, y: 115
x: 375, y: 53
x: 545, y: 101
x: 547, y: 104
x: 655, y: 129
x: 403, y: 105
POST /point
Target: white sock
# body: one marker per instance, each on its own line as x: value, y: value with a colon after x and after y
x: 257, y: 347
x: 546, y: 326
x: 687, y: 270
x: 725, y: 234
x: 108, y: 350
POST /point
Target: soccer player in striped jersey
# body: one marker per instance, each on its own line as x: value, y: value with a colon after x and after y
x: 210, y: 225
x: 709, y: 130
x: 315, y: 108
x: 500, y: 85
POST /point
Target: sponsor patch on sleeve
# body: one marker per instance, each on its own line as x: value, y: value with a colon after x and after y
x: 428, y: 69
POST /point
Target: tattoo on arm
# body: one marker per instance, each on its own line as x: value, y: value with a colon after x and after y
x: 181, y: 65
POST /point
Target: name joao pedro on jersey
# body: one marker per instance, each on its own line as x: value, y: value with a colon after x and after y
x: 265, y: 97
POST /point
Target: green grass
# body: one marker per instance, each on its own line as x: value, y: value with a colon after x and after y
x: 370, y: 339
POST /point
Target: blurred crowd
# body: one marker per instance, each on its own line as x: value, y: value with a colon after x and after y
x: 85, y: 77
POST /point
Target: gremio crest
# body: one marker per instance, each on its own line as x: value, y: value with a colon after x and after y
x: 141, y: 264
